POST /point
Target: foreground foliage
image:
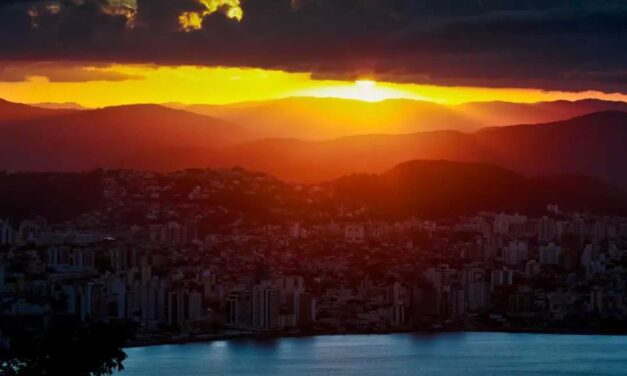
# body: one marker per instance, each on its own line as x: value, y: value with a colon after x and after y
x: 66, y: 349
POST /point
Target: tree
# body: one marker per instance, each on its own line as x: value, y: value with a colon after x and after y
x: 66, y: 349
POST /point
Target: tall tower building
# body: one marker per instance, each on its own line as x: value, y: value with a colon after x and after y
x: 266, y: 305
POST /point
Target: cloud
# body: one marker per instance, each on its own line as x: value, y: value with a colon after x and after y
x: 193, y: 20
x: 61, y: 72
x: 548, y: 44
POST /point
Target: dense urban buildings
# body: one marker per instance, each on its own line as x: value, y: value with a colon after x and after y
x: 228, y: 252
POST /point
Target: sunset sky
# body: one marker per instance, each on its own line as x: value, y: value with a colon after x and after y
x: 108, y: 52
x: 97, y: 86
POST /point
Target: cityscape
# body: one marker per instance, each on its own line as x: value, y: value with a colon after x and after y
x: 202, y: 254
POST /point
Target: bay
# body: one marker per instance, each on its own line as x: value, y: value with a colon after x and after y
x: 480, y: 354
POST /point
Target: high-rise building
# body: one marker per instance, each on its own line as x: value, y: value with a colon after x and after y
x: 549, y: 254
x: 184, y: 306
x: 547, y: 230
x: 290, y: 287
x: 8, y: 235
x: 1, y: 278
x: 239, y: 309
x: 515, y: 252
x: 305, y: 310
x: 266, y: 306
x: 117, y: 298
x: 475, y: 288
x: 501, y: 277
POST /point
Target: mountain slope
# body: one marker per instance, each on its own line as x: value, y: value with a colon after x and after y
x: 86, y: 139
x: 594, y: 145
x: 505, y: 113
x: 15, y: 112
x: 443, y: 188
x: 56, y: 196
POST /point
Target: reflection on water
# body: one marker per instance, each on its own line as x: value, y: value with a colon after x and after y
x: 480, y: 354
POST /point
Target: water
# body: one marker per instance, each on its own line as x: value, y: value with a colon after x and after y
x: 468, y: 354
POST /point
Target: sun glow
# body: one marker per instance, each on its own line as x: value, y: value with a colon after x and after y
x: 363, y: 90
x: 97, y: 86
x: 365, y: 84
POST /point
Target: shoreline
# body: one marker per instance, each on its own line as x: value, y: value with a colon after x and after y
x: 206, y: 338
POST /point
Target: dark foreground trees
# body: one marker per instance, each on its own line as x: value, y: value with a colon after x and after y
x: 65, y: 349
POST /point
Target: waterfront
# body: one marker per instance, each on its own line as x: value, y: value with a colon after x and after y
x: 446, y: 354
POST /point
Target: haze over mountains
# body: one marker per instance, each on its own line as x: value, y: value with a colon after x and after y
x: 63, y: 140
x: 60, y: 106
x: 164, y: 139
x: 594, y: 145
x: 325, y: 118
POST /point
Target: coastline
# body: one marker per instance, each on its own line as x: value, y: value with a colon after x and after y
x: 206, y: 338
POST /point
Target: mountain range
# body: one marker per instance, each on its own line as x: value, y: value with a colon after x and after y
x: 325, y: 118
x: 37, y: 139
x: 594, y: 145
x: 162, y: 138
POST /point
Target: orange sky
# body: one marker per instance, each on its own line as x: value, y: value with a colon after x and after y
x: 216, y: 85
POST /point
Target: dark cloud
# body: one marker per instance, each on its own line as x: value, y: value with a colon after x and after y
x: 61, y: 72
x: 549, y: 44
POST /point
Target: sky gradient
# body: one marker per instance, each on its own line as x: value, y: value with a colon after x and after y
x: 101, y: 52
x: 99, y: 86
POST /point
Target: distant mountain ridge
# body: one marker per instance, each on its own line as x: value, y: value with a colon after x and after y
x: 60, y: 106
x: 154, y: 137
x: 326, y: 118
x: 594, y: 145
x: 36, y: 139
x: 14, y: 112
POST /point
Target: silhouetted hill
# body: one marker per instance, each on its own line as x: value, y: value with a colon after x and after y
x: 323, y: 160
x: 506, y: 113
x: 55, y: 196
x: 413, y: 188
x: 82, y: 140
x: 593, y: 145
x: 15, y: 112
x: 443, y: 188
